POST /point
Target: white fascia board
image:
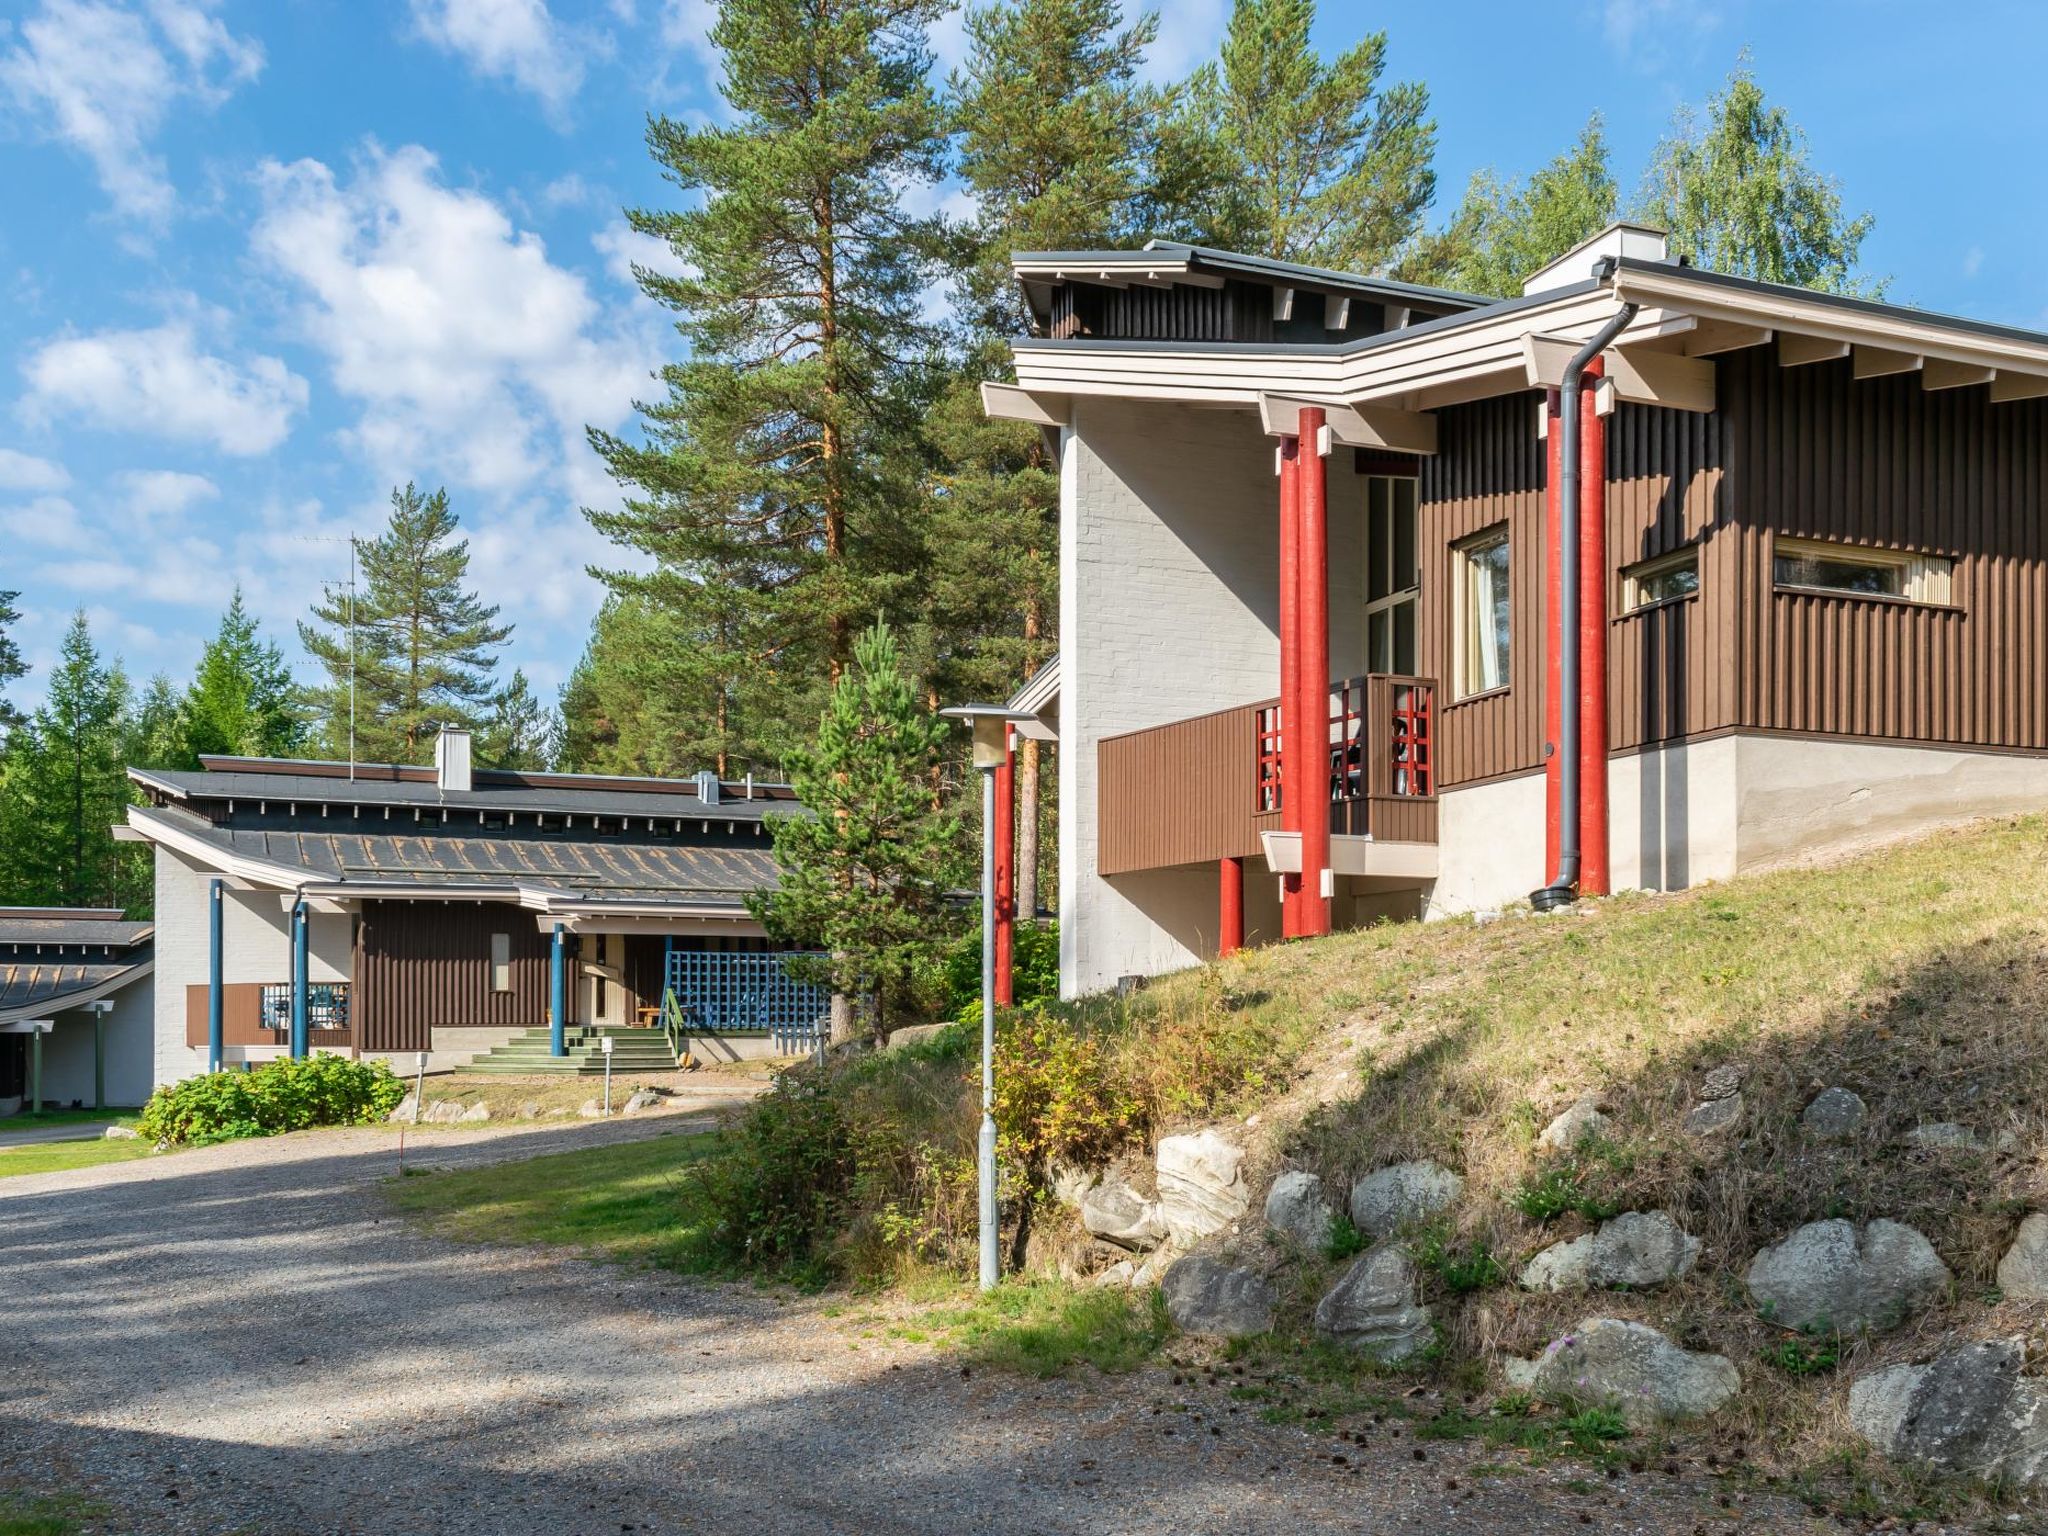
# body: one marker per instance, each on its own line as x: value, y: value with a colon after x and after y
x: 251, y: 874
x: 1006, y: 402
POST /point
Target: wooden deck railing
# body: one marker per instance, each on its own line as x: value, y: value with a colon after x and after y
x: 1203, y: 789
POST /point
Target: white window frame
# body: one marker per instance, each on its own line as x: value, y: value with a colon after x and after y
x: 1925, y: 579
x: 1463, y: 683
x: 501, y: 962
x: 1633, y: 576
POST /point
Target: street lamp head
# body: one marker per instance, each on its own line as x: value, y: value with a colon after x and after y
x: 991, y: 726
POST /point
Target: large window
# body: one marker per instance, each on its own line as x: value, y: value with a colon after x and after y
x: 1479, y: 586
x: 1393, y: 579
x: 1662, y: 580
x: 1808, y: 565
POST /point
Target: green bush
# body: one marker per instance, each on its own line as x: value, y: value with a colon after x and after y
x: 1035, y: 968
x: 276, y: 1097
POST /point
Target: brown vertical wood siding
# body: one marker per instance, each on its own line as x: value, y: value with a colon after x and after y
x: 421, y: 965
x: 1177, y: 794
x: 241, y: 1019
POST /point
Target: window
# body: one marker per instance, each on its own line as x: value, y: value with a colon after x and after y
x: 1808, y: 565
x: 1393, y: 580
x: 1650, y: 582
x: 1479, y: 585
x: 501, y: 962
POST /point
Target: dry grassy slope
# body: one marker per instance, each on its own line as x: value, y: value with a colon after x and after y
x: 1916, y: 975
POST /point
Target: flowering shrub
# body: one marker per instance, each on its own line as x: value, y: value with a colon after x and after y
x: 276, y: 1097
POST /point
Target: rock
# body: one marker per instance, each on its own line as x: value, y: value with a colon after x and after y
x: 1968, y: 1410
x: 1830, y: 1277
x: 120, y: 1133
x: 1217, y: 1300
x: 1297, y: 1206
x: 1950, y: 1136
x: 1373, y: 1308
x: 476, y: 1113
x: 1069, y: 1182
x: 1201, y: 1185
x: 1834, y: 1114
x: 1392, y: 1197
x: 559, y: 1112
x: 443, y: 1112
x: 1725, y: 1081
x: 1119, y: 1274
x: 1152, y: 1269
x: 914, y: 1034
x: 1715, y: 1117
x: 1638, y: 1250
x: 1116, y: 1213
x: 403, y: 1114
x: 592, y: 1109
x: 644, y: 1098
x: 529, y: 1109
x: 2023, y: 1272
x: 1583, y: 1120
x: 1630, y: 1367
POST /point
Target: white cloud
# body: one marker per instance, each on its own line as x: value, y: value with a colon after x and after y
x: 471, y: 354
x: 1973, y: 261
x: 623, y: 247
x: 160, y: 380
x: 47, y: 522
x: 26, y: 472
x: 515, y: 40
x: 1647, y: 33
x: 686, y: 28
x: 102, y: 77
x: 164, y: 493
x: 1188, y: 35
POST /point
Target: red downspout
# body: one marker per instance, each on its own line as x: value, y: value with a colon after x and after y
x: 1592, y: 700
x: 1553, y: 765
x: 1230, y: 904
x: 1314, y: 614
x: 1006, y: 872
x: 1293, y: 771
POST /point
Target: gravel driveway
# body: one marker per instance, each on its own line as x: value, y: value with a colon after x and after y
x: 244, y: 1338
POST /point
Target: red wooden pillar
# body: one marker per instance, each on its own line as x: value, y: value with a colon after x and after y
x: 1592, y: 700
x: 1313, y: 612
x: 1006, y: 872
x: 1553, y: 636
x: 1294, y: 777
x: 1230, y: 907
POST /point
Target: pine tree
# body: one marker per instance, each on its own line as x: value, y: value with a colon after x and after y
x: 1291, y: 157
x: 157, y: 732
x: 12, y: 667
x: 66, y: 788
x: 422, y: 643
x: 1504, y: 231
x: 242, y: 702
x: 1739, y: 194
x: 864, y: 876
x: 520, y: 732
x: 777, y: 489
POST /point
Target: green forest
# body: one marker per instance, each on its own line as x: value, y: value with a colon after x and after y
x: 812, y: 461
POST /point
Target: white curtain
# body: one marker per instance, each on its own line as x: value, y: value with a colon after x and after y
x: 1486, y: 616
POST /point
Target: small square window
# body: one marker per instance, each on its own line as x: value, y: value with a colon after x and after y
x: 1482, y: 628
x: 501, y: 962
x: 1809, y: 565
x: 1662, y: 580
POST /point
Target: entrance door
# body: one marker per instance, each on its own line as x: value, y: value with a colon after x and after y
x: 1393, y: 579
x: 604, y: 978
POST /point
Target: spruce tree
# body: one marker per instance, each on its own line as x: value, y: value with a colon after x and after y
x: 242, y: 702
x: 12, y: 667
x: 1288, y: 156
x: 863, y: 877
x: 520, y: 731
x: 66, y: 788
x: 422, y: 652
x: 777, y: 488
x: 157, y: 732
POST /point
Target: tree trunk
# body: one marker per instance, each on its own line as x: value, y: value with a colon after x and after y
x: 1027, y: 830
x: 841, y: 1029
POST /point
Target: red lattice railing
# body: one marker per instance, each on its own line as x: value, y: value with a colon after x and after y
x: 1381, y: 742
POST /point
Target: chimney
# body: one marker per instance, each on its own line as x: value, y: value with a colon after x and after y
x: 451, y: 761
x: 707, y: 787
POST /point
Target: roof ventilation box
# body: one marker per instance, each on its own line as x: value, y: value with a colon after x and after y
x: 451, y: 761
x: 1639, y: 242
x: 707, y: 787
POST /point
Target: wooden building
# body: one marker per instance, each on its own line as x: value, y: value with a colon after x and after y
x: 1811, y: 601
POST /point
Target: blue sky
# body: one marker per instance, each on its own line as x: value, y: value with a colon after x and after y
x: 262, y: 259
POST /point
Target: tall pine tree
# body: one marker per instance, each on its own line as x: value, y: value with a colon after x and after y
x: 419, y: 644
x: 777, y: 488
x: 12, y: 667
x: 242, y: 702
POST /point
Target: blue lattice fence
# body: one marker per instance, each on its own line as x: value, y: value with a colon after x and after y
x: 720, y: 992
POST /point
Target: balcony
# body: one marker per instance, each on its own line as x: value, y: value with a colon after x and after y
x: 260, y: 1013
x: 1213, y: 787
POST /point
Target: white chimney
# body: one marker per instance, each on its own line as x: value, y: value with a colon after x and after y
x: 451, y: 761
x: 1638, y: 242
x: 707, y: 787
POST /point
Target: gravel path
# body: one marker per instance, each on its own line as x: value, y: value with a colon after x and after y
x: 244, y: 1338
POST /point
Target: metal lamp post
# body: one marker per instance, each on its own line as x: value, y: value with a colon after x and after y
x: 991, y: 724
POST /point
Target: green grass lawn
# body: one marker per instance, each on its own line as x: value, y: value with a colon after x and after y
x: 26, y: 1515
x: 59, y: 1156
x: 627, y: 1203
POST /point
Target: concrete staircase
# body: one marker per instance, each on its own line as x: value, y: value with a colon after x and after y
x: 633, y: 1050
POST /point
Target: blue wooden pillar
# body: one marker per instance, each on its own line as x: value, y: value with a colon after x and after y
x: 214, y: 1048
x: 299, y: 980
x: 559, y: 998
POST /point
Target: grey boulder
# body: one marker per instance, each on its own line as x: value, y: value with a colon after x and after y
x: 476, y: 1113
x: 1385, y: 1201
x: 403, y: 1114
x: 1629, y: 1367
x: 120, y: 1133
x: 1201, y: 1185
x: 2023, y: 1272
x: 645, y: 1098
x: 1116, y: 1213
x: 1638, y: 1249
x: 1297, y: 1206
x: 1373, y: 1308
x: 1834, y: 1114
x: 1216, y: 1300
x: 1582, y: 1121
x: 1724, y: 1081
x: 1715, y: 1117
x: 443, y: 1112
x: 1831, y: 1276
x: 1968, y: 1410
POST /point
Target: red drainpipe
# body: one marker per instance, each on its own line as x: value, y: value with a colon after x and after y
x: 1592, y: 700
x: 1293, y: 773
x: 1314, y: 614
x: 1006, y: 872
x: 1553, y: 765
x: 1230, y: 903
